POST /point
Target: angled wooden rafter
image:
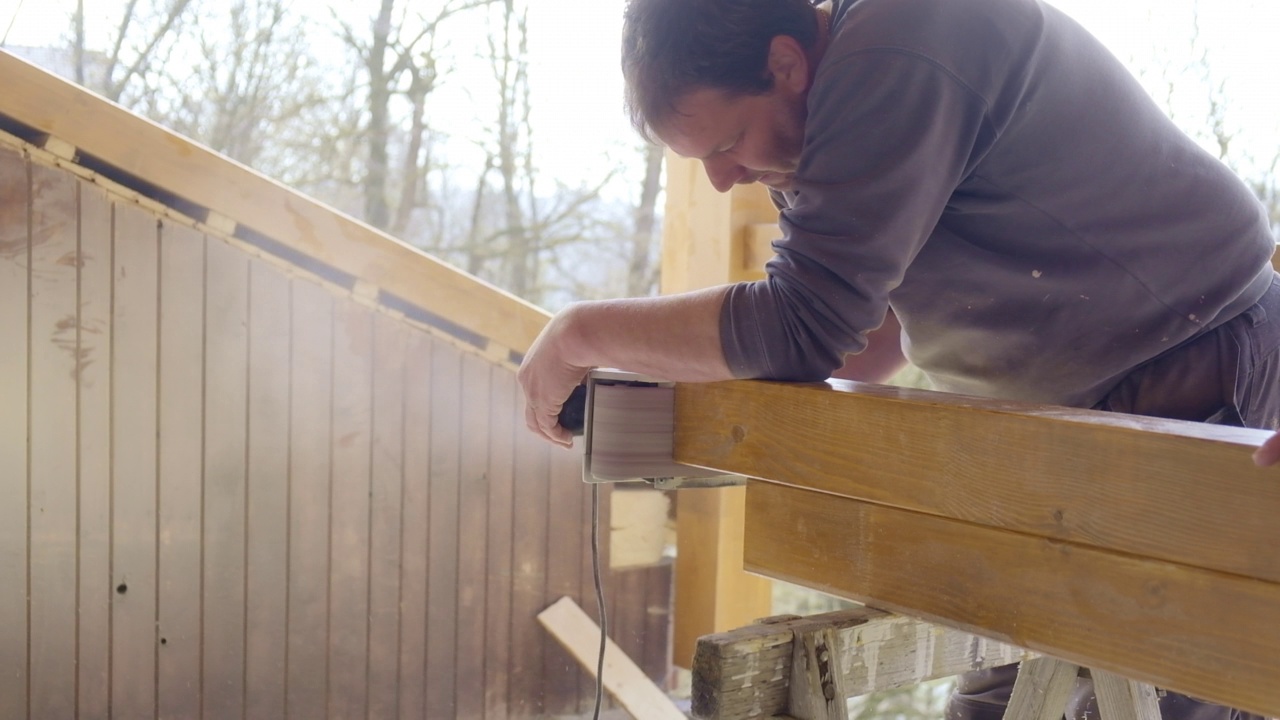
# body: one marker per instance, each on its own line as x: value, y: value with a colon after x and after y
x: 37, y: 105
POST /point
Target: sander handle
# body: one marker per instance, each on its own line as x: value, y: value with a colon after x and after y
x: 573, y: 415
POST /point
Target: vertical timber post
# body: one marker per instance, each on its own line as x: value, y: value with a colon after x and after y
x: 705, y: 242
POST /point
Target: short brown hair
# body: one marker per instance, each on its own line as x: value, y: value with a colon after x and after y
x: 670, y: 47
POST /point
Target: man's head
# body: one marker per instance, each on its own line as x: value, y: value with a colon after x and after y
x: 724, y: 81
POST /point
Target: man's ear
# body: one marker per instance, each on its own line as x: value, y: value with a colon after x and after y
x: 788, y: 64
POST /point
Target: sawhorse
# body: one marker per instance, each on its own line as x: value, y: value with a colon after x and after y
x: 806, y: 668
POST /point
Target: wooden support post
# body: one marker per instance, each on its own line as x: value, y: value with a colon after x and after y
x: 1042, y: 689
x: 704, y: 245
x: 1122, y: 699
x: 818, y: 687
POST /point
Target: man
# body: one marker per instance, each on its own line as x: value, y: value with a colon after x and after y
x: 979, y: 179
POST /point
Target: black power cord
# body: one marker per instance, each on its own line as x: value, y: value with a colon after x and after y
x: 595, y: 571
x: 572, y: 417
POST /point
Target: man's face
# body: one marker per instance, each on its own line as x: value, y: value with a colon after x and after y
x: 740, y: 139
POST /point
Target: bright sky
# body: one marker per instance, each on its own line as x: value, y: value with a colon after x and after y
x: 577, y: 101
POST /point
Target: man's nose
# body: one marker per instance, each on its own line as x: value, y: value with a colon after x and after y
x: 722, y: 173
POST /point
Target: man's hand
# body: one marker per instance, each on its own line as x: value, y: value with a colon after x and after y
x: 1269, y: 453
x: 548, y: 378
x: 674, y: 337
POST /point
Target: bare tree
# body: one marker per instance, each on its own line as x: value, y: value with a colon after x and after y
x: 642, y: 277
x: 143, y: 38
x: 1198, y: 84
x: 398, y: 60
x: 254, y: 92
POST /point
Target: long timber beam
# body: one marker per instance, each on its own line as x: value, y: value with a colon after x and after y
x: 1135, y: 545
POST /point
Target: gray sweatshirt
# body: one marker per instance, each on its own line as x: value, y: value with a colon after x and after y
x: 994, y: 174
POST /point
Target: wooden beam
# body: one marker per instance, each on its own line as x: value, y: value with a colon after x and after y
x: 1208, y: 634
x: 1179, y: 491
x: 114, y: 136
x: 748, y: 672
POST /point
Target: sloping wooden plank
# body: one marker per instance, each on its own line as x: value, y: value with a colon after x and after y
x: 179, y: 166
x: 385, y: 515
x: 226, y: 380
x: 179, y: 691
x: 1181, y: 491
x: 310, y: 442
x: 623, y: 679
x: 1042, y: 689
x: 506, y: 420
x: 95, y: 587
x: 266, y: 576
x: 1123, y: 699
x: 413, y: 579
x: 1199, y: 632
x: 349, y: 511
x: 473, y: 499
x: 54, y: 363
x: 133, y: 426
x: 443, y: 532
x: 15, y: 265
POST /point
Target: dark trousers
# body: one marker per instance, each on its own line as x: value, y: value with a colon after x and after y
x: 1229, y: 376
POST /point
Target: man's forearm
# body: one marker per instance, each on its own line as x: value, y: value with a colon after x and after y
x: 674, y: 337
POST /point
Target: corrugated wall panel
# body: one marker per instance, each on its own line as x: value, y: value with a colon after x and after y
x: 349, y: 511
x: 52, y: 517
x: 182, y: 426
x: 528, y: 582
x: 95, y: 593
x: 386, y: 516
x: 442, y: 532
x: 502, y: 433
x: 309, y: 492
x: 134, y: 450
x: 226, y: 388
x: 414, y: 531
x: 234, y: 493
x: 564, y: 576
x: 15, y: 264
x: 473, y: 536
x: 267, y: 493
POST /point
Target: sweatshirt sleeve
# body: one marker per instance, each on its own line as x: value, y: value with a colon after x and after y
x: 889, y: 136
